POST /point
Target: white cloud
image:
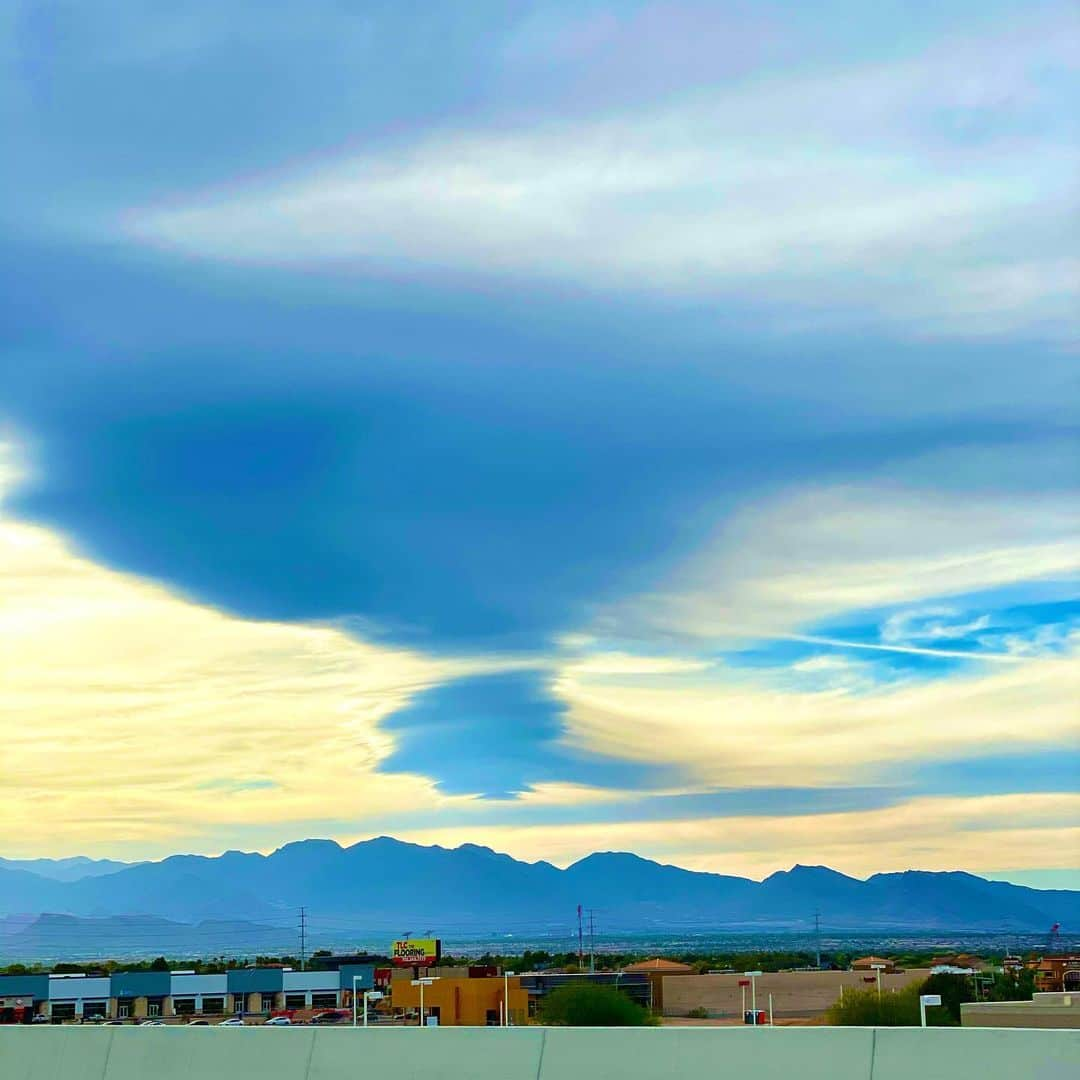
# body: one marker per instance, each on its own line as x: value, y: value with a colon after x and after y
x: 738, y: 731
x: 800, y: 181
x: 930, y: 624
x: 782, y: 564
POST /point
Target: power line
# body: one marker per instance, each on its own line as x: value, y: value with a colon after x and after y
x: 592, y: 942
x: 303, y: 938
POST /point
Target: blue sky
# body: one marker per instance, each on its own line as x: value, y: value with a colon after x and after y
x: 639, y: 425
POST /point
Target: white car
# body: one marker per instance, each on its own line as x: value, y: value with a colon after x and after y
x: 151, y: 1023
x: 233, y: 1021
x: 278, y: 1021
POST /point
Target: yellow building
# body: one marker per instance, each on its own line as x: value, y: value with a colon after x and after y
x: 462, y: 1002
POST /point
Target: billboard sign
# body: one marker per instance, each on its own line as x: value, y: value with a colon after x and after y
x: 416, y: 952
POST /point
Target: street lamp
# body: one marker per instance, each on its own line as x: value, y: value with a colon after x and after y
x: 752, y: 976
x: 427, y: 981
x: 506, y: 997
x: 879, y: 968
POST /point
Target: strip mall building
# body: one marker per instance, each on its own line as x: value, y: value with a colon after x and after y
x: 138, y: 995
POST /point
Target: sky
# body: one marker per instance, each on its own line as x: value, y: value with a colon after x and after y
x: 564, y: 427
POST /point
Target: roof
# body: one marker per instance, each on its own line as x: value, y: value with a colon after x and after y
x: 867, y: 960
x: 658, y: 963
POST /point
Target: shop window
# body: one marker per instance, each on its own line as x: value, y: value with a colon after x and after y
x: 295, y: 1001
x: 94, y: 1010
x: 123, y: 1008
x: 213, y: 1005
x: 153, y: 1007
x: 184, y: 1006
x: 324, y: 1001
x: 62, y: 1010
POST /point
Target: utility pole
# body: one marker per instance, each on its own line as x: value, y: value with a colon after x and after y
x: 303, y: 938
x: 817, y: 936
x: 580, y: 944
x: 592, y: 942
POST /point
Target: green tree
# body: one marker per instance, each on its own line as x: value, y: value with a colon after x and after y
x: 160, y: 964
x: 954, y: 991
x: 584, y: 1005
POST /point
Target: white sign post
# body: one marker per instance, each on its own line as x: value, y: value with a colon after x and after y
x: 924, y: 1000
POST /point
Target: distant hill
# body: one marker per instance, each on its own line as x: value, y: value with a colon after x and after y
x: 65, y: 869
x: 70, y: 938
x: 386, y: 884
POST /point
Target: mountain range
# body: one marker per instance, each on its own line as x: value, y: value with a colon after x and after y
x: 387, y: 884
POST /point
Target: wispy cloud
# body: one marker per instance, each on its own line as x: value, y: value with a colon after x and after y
x: 759, y: 190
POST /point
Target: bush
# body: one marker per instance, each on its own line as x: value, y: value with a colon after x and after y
x: 863, y: 1008
x: 699, y: 1013
x: 584, y: 1005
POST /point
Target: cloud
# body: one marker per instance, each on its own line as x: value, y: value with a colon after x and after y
x: 783, y: 564
x: 134, y: 718
x: 748, y: 729
x: 975, y: 834
x: 826, y: 193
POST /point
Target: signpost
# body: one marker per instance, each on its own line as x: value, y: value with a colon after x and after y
x: 924, y: 1000
x: 752, y: 976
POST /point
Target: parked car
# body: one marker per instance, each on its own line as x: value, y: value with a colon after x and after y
x: 331, y: 1016
x: 151, y: 1023
x: 40, y: 1019
x: 198, y: 1023
x: 233, y: 1021
x: 278, y: 1021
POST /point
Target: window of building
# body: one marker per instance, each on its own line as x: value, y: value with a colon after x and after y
x: 213, y: 1005
x: 94, y: 1009
x: 153, y: 1006
x: 295, y: 1001
x: 267, y: 1002
x: 62, y: 1010
x: 323, y: 1001
x: 184, y: 1006
x: 123, y: 1008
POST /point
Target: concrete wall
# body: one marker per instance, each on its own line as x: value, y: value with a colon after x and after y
x: 75, y: 1053
x: 795, y: 993
x: 1047, y: 1010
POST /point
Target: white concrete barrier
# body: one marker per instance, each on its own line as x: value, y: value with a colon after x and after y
x: 175, y: 1053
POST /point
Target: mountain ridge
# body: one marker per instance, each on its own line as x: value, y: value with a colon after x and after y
x: 387, y: 881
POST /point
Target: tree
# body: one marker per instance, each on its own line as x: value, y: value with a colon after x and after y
x: 954, y: 991
x: 160, y: 964
x: 585, y: 1005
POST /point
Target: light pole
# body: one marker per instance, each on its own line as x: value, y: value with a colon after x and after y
x: 506, y: 997
x: 422, y: 983
x: 879, y: 968
x: 752, y: 976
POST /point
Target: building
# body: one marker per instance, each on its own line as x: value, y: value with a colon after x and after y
x: 869, y: 963
x: 1056, y: 974
x: 1046, y: 1010
x: 179, y: 996
x: 795, y: 994
x: 455, y: 1000
x: 538, y: 984
x: 655, y: 970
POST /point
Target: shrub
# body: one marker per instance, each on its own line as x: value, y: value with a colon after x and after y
x: 863, y: 1008
x: 698, y: 1013
x: 584, y: 1005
